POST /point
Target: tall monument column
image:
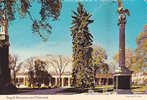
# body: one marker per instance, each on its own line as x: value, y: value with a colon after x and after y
x: 122, y: 77
x: 122, y: 45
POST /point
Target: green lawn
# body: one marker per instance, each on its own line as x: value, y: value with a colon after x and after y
x: 99, y: 89
x: 138, y: 88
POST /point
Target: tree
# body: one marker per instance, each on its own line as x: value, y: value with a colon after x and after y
x: 38, y: 69
x: 39, y: 75
x: 28, y: 66
x: 134, y: 59
x: 141, y: 51
x: 31, y: 71
x: 130, y: 58
x: 13, y: 67
x: 59, y: 64
x: 49, y: 9
x: 82, y: 74
x: 140, y: 58
x: 30, y: 62
x: 31, y: 78
x: 99, y: 57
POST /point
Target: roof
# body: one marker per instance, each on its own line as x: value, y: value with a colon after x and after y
x: 104, y: 75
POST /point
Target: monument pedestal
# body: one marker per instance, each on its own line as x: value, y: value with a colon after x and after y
x: 122, y: 83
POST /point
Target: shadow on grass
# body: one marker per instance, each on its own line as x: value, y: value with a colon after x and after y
x: 82, y: 90
x: 19, y: 91
x: 136, y: 87
x: 73, y: 90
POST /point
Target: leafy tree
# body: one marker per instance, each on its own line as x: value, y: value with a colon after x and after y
x: 59, y: 63
x: 134, y: 60
x: 13, y: 67
x: 29, y: 65
x: 39, y: 75
x: 99, y: 57
x: 31, y: 78
x: 30, y: 62
x: 49, y: 9
x: 141, y: 51
x: 130, y: 58
x: 82, y: 75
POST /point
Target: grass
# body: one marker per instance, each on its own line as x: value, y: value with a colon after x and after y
x: 99, y: 89
x: 139, y: 88
x: 106, y: 87
x: 109, y: 88
x: 74, y: 90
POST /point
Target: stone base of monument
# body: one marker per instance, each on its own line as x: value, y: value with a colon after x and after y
x: 122, y: 83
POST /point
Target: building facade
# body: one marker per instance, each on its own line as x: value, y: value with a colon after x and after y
x: 22, y: 80
x: 100, y: 80
x: 139, y: 78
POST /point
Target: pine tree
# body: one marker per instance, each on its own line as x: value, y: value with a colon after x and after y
x: 82, y: 75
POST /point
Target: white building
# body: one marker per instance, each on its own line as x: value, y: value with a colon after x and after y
x: 139, y: 78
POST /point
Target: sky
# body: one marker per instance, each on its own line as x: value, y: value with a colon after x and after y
x: 25, y: 44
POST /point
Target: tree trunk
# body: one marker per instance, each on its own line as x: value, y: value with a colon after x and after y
x: 5, y: 78
x: 4, y: 61
x: 60, y: 81
x: 14, y: 77
x: 94, y: 78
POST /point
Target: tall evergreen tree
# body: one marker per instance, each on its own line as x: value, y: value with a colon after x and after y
x: 82, y: 75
